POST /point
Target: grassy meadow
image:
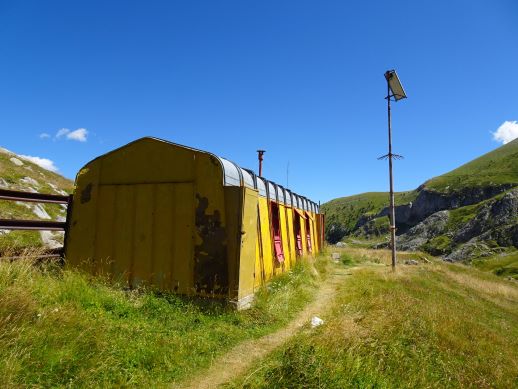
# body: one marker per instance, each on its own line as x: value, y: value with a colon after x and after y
x: 427, y: 325
x: 62, y: 328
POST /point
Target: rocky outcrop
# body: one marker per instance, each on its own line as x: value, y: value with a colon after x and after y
x: 429, y: 228
x: 491, y: 218
x: 429, y: 202
x: 494, y: 225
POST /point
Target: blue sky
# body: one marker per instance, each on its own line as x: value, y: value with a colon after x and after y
x: 301, y: 79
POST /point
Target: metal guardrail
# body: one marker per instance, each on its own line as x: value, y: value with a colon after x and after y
x: 20, y: 224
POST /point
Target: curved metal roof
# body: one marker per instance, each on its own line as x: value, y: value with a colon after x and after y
x: 272, y: 191
x: 288, y: 197
x: 234, y: 175
x: 261, y: 187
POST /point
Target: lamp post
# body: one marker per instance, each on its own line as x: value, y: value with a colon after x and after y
x: 394, y: 91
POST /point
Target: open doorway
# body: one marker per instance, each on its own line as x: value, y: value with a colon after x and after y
x: 276, y: 232
x: 308, y: 234
x: 297, y: 233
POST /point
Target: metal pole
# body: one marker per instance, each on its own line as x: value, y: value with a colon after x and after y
x: 260, y: 156
x: 392, y: 207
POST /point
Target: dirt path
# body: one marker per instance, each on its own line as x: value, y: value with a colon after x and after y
x: 239, y: 359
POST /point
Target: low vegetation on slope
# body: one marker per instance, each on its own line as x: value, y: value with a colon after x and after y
x: 17, y: 173
x: 62, y: 328
x: 427, y: 325
x: 342, y: 214
x: 498, y: 167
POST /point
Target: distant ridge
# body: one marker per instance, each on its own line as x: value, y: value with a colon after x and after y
x: 466, y: 213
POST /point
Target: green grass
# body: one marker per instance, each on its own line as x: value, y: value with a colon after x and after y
x: 61, y: 328
x: 498, y: 167
x: 17, y: 241
x: 431, y: 325
x: 504, y: 264
x: 439, y: 245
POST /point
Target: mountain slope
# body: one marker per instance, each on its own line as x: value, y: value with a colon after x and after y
x: 464, y: 214
x: 345, y: 213
x: 17, y: 173
x: 496, y: 168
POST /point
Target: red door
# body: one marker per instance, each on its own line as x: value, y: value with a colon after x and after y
x: 308, y: 234
x: 276, y: 226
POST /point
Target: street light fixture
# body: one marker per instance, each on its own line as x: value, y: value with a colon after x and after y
x: 394, y: 91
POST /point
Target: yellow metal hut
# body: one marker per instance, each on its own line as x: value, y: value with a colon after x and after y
x: 184, y: 220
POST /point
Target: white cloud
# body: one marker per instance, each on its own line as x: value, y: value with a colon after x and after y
x: 506, y: 132
x: 44, y: 135
x: 61, y: 133
x: 43, y: 162
x: 79, y: 135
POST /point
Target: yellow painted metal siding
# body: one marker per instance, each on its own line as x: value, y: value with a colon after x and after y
x: 313, y: 237
x: 259, y: 266
x: 157, y: 213
x: 291, y: 235
x: 142, y: 231
x: 303, y: 234
x: 266, y: 238
x: 137, y: 176
x: 284, y: 237
x: 248, y: 243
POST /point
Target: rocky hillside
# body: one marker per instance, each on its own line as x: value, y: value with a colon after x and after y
x: 466, y: 213
x: 19, y: 173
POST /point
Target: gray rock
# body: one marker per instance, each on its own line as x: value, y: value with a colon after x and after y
x: 429, y: 202
x: 492, y: 217
x: 429, y: 228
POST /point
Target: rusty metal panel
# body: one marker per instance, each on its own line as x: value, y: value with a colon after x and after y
x: 15, y: 195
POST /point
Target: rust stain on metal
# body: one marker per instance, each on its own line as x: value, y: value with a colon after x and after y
x: 210, y: 256
x: 86, y: 194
